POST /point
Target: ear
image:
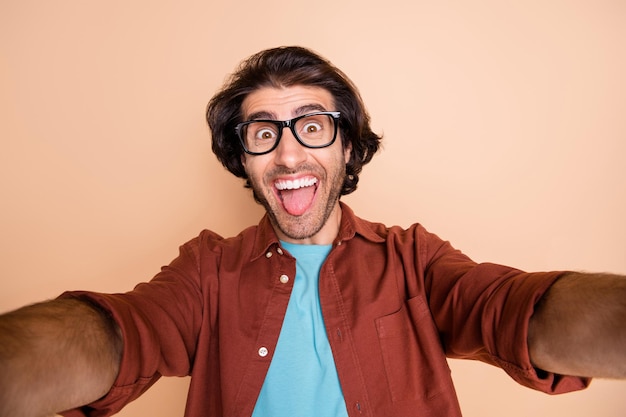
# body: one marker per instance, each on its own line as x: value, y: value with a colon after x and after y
x: 347, y: 150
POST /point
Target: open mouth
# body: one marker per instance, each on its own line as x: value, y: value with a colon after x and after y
x: 296, y: 194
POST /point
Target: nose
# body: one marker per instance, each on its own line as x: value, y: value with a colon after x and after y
x: 289, y: 152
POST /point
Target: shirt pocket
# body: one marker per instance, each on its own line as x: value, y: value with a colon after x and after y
x: 414, y: 361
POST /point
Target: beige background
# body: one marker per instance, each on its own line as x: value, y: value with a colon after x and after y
x: 504, y: 127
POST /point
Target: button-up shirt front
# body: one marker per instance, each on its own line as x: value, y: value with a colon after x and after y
x: 395, y: 303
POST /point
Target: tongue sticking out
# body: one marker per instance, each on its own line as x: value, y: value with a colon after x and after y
x: 297, y: 201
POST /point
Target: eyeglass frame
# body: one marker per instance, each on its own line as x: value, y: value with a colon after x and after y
x: 291, y: 124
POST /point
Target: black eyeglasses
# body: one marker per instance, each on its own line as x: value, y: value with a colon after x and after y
x: 312, y: 130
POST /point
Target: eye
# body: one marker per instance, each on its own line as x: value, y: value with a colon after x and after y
x: 265, y: 133
x: 312, y: 127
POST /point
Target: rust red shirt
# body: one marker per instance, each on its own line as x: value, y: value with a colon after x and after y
x: 395, y: 302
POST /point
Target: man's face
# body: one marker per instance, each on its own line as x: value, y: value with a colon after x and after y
x: 299, y: 187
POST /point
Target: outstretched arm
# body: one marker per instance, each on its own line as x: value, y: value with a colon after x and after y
x: 579, y: 327
x: 56, y: 356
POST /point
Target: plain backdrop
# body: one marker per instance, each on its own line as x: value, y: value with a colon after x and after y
x: 504, y: 126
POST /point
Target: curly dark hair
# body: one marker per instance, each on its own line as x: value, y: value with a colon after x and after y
x: 284, y: 67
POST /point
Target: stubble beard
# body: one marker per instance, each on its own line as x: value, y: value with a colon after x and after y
x: 311, y: 222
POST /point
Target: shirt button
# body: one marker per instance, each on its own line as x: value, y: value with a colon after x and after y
x: 263, y: 352
x: 268, y: 255
x: 279, y: 250
x: 284, y: 279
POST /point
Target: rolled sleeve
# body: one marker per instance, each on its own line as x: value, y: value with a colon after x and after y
x: 159, y: 322
x: 483, y: 312
x: 505, y: 331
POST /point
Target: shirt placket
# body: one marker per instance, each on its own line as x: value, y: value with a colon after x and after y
x: 341, y: 339
x: 282, y: 273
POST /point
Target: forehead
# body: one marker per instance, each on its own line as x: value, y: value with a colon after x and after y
x: 286, y: 102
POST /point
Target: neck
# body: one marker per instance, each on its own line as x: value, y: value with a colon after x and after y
x: 324, y: 236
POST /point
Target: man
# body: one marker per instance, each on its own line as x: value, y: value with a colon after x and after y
x: 314, y: 311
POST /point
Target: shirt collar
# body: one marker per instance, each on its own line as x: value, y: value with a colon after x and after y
x: 350, y: 226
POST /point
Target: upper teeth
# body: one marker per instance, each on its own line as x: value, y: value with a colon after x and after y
x: 295, y: 184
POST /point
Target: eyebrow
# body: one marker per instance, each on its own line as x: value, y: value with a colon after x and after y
x: 307, y: 108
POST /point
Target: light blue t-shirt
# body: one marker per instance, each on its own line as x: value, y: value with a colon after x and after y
x: 302, y: 379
